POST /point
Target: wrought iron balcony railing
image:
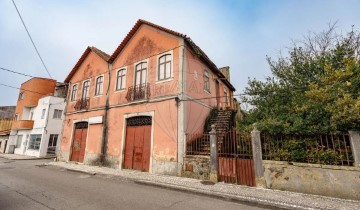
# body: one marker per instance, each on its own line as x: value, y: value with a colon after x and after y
x: 82, y: 104
x: 138, y: 92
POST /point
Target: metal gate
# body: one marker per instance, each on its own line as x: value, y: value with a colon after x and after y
x: 235, y: 159
x: 137, y: 143
x: 79, y: 142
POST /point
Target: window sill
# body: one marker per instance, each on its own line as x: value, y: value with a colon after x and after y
x: 164, y: 80
x: 97, y: 96
x: 119, y: 91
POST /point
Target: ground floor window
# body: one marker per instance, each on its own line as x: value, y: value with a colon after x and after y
x: 53, y: 140
x: 18, y: 141
x: 35, y: 140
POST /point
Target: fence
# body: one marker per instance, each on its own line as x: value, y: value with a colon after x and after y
x: 198, y: 144
x: 327, y: 149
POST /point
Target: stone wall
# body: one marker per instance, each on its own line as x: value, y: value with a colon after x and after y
x: 334, y: 181
x: 197, y: 167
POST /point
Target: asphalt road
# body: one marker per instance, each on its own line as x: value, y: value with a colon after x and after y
x: 25, y: 185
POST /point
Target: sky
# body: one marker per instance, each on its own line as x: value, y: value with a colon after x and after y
x: 239, y: 34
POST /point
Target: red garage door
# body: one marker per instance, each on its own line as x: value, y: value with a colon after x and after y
x: 137, y: 143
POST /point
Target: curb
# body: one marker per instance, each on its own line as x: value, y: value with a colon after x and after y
x: 36, y: 158
x: 80, y: 171
x: 229, y: 197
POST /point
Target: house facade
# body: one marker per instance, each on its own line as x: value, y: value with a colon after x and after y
x: 6, y: 118
x: 134, y: 108
x: 38, y: 118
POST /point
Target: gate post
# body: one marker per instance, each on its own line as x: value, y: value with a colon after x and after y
x: 213, y: 155
x: 257, y: 157
x: 355, y: 146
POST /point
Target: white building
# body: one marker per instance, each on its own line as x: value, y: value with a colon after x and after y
x: 43, y: 138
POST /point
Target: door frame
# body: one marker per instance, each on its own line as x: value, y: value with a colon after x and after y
x: 72, y: 137
x: 126, y: 116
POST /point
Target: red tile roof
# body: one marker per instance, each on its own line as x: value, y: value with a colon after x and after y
x: 196, y: 49
x: 100, y: 53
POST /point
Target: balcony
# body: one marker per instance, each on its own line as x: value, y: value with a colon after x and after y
x: 82, y: 104
x: 22, y: 125
x: 138, y: 92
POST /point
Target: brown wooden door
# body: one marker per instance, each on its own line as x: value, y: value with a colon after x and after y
x: 137, y: 147
x: 79, y: 143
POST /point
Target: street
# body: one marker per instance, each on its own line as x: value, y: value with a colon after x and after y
x: 26, y: 184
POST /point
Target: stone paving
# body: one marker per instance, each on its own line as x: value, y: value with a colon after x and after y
x: 22, y: 157
x: 275, y: 198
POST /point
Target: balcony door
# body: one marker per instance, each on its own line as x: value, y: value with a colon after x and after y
x: 140, y: 73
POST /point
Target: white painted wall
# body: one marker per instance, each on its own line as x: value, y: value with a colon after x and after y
x: 45, y: 126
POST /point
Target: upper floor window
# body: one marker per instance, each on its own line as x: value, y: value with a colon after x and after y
x: 16, y: 117
x: 74, y: 92
x: 99, y: 86
x: 164, y: 71
x: 140, y: 73
x: 206, y: 81
x: 225, y: 96
x: 121, y: 79
x: 21, y: 96
x: 57, y: 114
x: 86, y: 90
x: 43, y: 114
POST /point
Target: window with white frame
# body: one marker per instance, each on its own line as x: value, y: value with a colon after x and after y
x: 57, y: 114
x: 86, y: 90
x: 21, y: 96
x: 74, y: 92
x: 164, y: 68
x: 140, y: 73
x: 53, y: 140
x: 206, y: 81
x: 121, y: 79
x: 43, y: 113
x: 99, y: 86
x: 16, y: 117
x: 18, y: 141
x: 35, y: 140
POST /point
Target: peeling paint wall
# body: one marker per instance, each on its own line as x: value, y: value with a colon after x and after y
x: 334, y: 181
x: 197, y: 167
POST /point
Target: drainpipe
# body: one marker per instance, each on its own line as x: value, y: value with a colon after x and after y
x: 105, y: 124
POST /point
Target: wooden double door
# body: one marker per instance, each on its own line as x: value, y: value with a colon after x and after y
x: 138, y: 143
x: 79, y: 142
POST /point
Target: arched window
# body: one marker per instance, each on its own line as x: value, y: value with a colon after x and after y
x: 121, y: 79
x: 86, y: 90
x: 164, y: 69
x: 99, y: 86
x: 74, y: 92
x: 140, y: 73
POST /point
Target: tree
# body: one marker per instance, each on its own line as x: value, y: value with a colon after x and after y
x: 314, y: 89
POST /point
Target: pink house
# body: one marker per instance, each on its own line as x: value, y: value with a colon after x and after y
x: 134, y: 108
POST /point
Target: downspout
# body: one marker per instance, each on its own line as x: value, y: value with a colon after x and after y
x: 105, y: 125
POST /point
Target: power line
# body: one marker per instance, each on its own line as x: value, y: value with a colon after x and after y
x: 27, y: 31
x: 15, y: 72
x: 43, y: 94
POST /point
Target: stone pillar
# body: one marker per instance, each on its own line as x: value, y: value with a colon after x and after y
x: 355, y: 146
x: 213, y: 155
x: 257, y: 157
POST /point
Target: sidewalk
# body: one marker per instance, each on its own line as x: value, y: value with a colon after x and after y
x: 22, y: 157
x: 267, y: 197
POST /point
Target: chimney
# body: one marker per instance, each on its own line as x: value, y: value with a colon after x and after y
x: 226, y: 72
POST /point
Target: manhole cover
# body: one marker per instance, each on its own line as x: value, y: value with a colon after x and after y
x: 207, y: 183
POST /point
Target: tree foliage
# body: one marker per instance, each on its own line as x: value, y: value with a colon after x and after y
x: 313, y: 89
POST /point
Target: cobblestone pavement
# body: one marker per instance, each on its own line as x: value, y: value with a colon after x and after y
x: 276, y: 198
